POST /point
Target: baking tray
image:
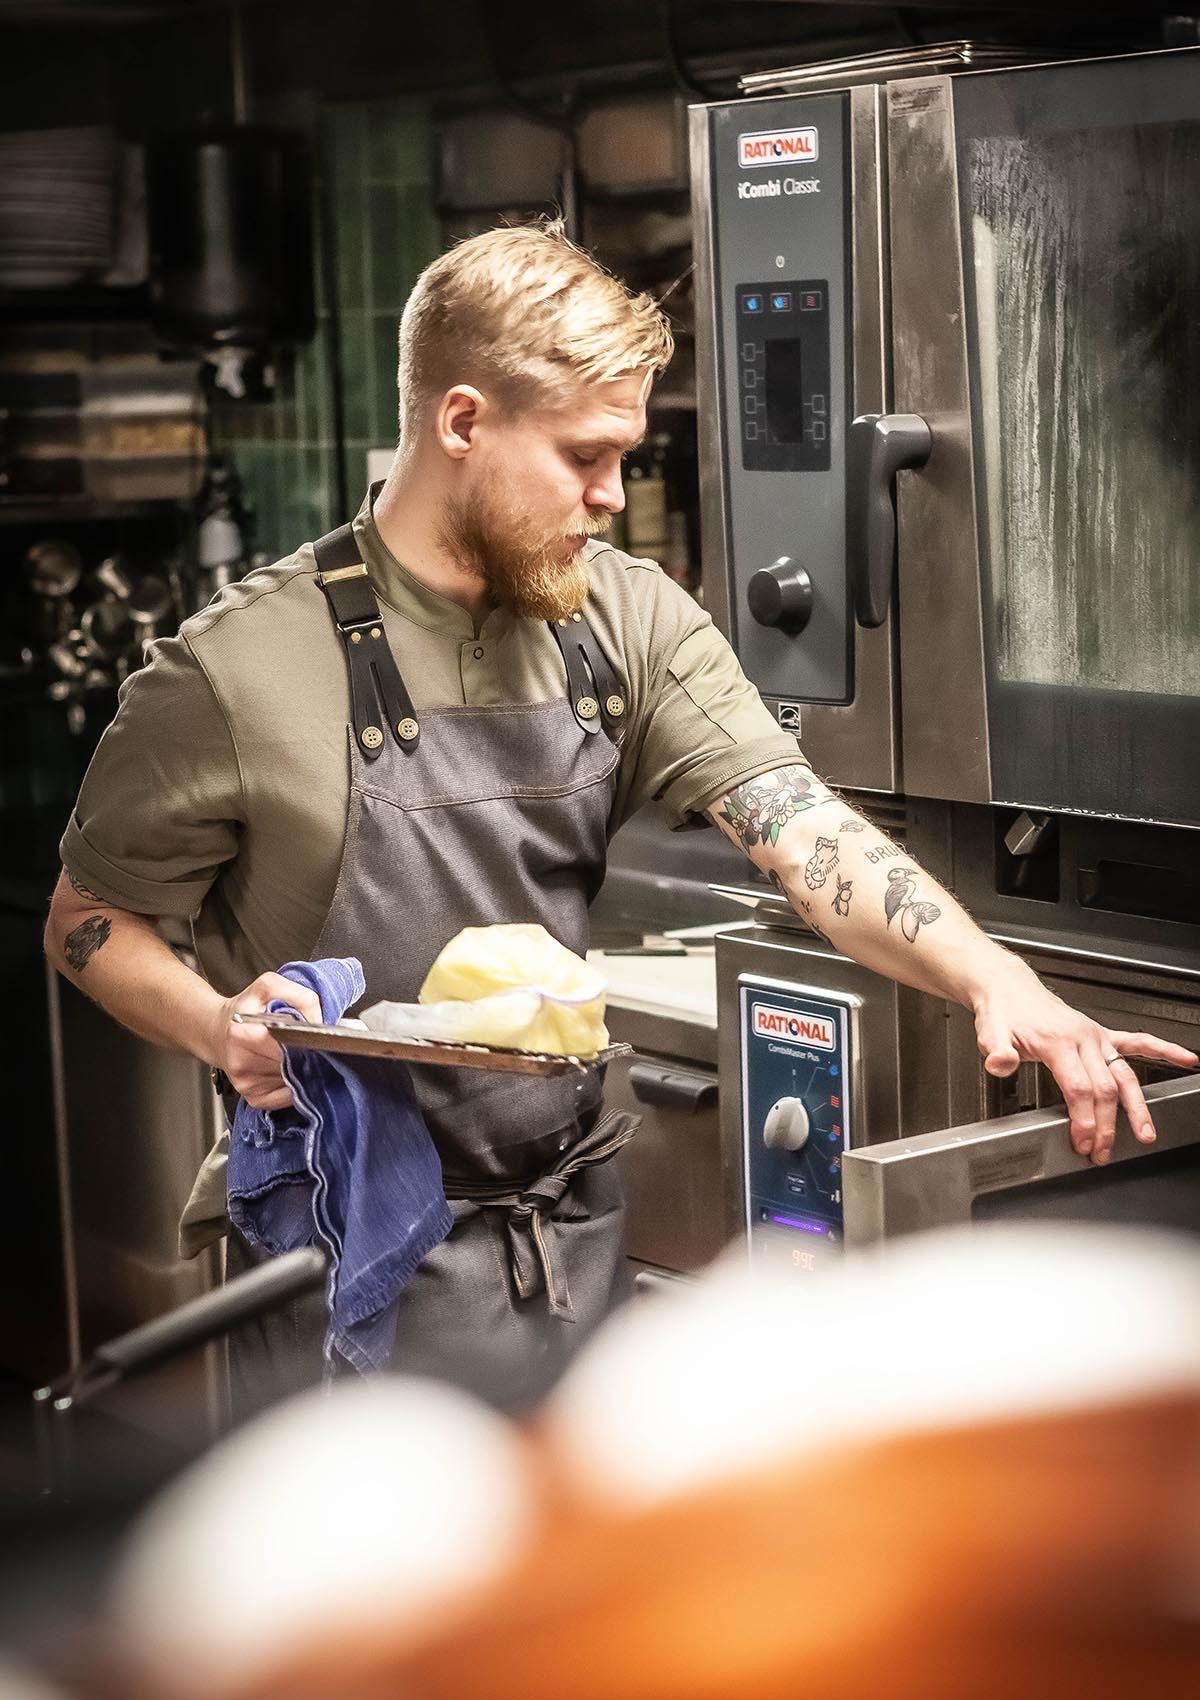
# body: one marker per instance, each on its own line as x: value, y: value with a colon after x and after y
x: 355, y: 1041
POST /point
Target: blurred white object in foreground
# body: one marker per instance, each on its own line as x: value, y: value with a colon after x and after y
x: 376, y: 1503
x: 939, y: 1331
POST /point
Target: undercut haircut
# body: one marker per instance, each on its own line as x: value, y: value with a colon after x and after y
x: 527, y: 317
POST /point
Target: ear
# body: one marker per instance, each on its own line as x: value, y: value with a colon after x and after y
x: 459, y: 415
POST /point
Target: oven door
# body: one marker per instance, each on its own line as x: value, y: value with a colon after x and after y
x: 1022, y: 1167
x: 790, y: 313
x: 1045, y: 267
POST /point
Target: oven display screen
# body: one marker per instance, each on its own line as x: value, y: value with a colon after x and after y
x: 785, y: 391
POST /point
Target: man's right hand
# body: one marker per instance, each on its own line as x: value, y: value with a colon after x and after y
x: 249, y: 1057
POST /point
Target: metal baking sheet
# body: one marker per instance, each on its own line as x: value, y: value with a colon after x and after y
x: 359, y: 1042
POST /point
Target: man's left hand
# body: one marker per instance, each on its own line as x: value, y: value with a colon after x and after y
x: 1018, y: 1020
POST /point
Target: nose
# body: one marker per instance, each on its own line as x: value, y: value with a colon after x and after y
x: 606, y: 491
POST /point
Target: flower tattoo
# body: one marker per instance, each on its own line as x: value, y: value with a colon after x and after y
x: 758, y: 811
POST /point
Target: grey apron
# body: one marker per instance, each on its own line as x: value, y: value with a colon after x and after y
x: 476, y: 816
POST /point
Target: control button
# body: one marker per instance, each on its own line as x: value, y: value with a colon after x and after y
x: 752, y: 303
x: 796, y: 1184
x: 817, y: 404
x: 811, y: 301
x: 750, y: 430
x: 781, y: 301
x: 818, y: 431
x: 749, y: 350
x: 781, y: 595
x: 749, y: 377
x: 750, y: 404
x: 786, y: 1126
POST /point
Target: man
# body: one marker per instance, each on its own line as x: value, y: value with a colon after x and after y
x: 331, y: 762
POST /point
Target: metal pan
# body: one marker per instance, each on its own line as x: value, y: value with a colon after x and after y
x: 354, y: 1041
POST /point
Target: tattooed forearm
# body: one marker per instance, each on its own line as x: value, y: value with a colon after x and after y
x: 83, y: 941
x: 757, y: 811
x: 83, y: 891
x: 821, y: 863
x: 810, y: 915
x: 898, y: 900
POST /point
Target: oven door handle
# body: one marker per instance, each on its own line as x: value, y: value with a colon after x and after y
x: 878, y: 446
x: 674, y: 1088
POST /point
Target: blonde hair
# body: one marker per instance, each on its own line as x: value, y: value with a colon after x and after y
x: 525, y: 313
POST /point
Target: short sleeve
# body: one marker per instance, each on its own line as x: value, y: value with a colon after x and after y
x: 706, y: 731
x: 160, y: 807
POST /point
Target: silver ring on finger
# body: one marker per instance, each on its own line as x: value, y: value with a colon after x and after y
x: 1116, y: 1057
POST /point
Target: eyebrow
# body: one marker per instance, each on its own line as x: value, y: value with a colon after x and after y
x: 609, y: 443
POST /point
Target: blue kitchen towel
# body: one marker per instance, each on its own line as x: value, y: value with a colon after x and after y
x: 350, y: 1166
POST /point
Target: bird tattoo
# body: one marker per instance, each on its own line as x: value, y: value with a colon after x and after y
x: 898, y: 900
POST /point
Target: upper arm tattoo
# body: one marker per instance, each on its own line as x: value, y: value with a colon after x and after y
x: 83, y: 890
x: 757, y: 811
x: 83, y: 941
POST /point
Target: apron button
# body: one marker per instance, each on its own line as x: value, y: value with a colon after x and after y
x: 479, y: 655
x: 587, y: 708
x: 408, y: 730
x: 372, y: 737
x: 615, y: 706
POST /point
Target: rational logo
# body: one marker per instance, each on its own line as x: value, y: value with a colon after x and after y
x: 778, y: 147
x: 770, y: 1023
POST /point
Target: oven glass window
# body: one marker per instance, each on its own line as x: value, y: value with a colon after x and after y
x: 785, y: 391
x: 1084, y: 256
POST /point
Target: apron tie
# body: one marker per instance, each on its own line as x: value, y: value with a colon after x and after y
x: 528, y: 1206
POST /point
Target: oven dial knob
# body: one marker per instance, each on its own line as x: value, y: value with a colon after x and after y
x: 786, y: 1126
x: 781, y: 595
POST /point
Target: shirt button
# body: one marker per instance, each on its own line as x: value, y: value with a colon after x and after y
x: 479, y: 655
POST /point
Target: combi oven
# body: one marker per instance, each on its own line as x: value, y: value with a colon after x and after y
x: 947, y: 347
x: 947, y: 350
x: 854, y: 1110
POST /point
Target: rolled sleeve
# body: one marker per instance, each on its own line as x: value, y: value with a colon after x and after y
x: 160, y: 808
x: 708, y: 732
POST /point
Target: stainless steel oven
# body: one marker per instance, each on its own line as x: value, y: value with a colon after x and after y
x: 960, y: 310
x: 947, y: 352
x: 1022, y: 1167
x: 854, y: 1109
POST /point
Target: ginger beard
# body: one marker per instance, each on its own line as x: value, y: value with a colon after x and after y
x: 491, y: 535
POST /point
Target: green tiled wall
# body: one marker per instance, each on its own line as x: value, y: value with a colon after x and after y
x: 386, y: 230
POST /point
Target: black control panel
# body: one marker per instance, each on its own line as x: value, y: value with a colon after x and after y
x: 783, y: 375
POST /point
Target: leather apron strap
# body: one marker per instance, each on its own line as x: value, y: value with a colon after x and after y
x: 597, y: 696
x: 528, y: 1203
x: 375, y: 681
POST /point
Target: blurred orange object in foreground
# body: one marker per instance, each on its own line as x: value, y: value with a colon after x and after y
x: 1038, y: 1558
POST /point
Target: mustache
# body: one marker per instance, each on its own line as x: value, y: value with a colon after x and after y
x: 595, y: 527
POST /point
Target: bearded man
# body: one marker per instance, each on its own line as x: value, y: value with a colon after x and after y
x: 436, y: 718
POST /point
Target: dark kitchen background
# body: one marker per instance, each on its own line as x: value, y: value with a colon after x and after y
x: 156, y: 440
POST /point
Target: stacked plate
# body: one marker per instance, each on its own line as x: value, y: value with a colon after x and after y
x: 56, y: 206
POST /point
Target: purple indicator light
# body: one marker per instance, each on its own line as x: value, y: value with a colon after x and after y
x: 793, y: 1222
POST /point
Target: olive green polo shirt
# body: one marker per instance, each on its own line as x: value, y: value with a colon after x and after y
x: 219, y: 793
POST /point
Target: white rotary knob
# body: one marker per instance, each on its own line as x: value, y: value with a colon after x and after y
x: 786, y: 1126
